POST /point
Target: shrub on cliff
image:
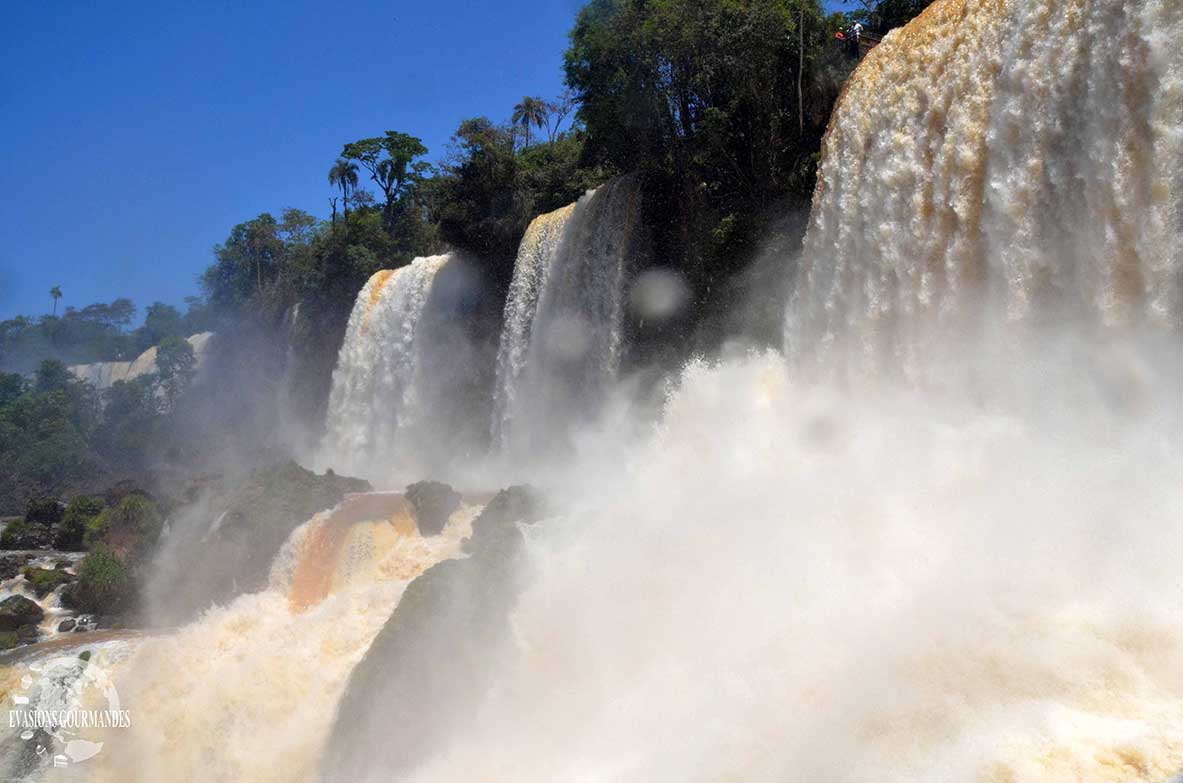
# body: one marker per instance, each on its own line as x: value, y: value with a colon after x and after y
x: 80, y: 514
x: 128, y: 530
x: 104, y: 585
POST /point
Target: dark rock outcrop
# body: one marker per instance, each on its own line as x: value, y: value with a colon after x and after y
x: 431, y: 663
x: 433, y: 503
x: 223, y: 547
x: 11, y: 565
x: 45, y: 511
x: 22, y: 534
x: 44, y: 581
x: 16, y: 611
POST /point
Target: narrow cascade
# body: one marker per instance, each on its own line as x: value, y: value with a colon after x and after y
x: 540, y: 245
x: 379, y: 407
x: 992, y: 163
x: 562, y: 342
x: 248, y: 691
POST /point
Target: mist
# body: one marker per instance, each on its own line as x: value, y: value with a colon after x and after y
x: 903, y: 504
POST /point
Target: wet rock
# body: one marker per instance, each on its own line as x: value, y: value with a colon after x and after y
x: 496, y: 527
x: 66, y: 625
x: 16, y: 611
x: 204, y: 563
x: 11, y: 565
x: 430, y: 663
x: 433, y: 502
x: 44, y: 581
x: 22, y: 534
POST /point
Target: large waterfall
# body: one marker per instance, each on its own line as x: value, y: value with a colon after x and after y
x: 563, y: 333
x: 998, y: 162
x: 401, y: 400
x: 792, y: 576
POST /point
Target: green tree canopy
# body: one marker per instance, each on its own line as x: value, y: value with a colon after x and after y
x: 390, y: 160
x: 531, y: 112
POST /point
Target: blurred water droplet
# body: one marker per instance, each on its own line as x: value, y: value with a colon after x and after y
x: 658, y: 295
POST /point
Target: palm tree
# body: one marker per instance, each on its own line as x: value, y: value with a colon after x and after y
x: 343, y: 174
x: 55, y: 293
x: 531, y: 111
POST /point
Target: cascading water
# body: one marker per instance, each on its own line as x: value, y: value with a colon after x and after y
x: 562, y: 339
x: 247, y: 692
x: 794, y: 580
x: 998, y: 162
x: 377, y: 403
x: 540, y: 245
x: 899, y: 581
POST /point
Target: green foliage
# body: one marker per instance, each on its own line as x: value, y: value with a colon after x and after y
x: 250, y: 258
x: 12, y: 386
x: 488, y: 193
x: 104, y: 584
x: 128, y: 529
x: 96, y: 333
x: 175, y: 368
x: 161, y: 321
x: 19, y: 534
x: 530, y: 112
x: 81, y: 512
x: 130, y: 431
x: 719, y: 102
x: 343, y: 175
x: 44, y: 431
x: 44, y: 581
x: 389, y: 159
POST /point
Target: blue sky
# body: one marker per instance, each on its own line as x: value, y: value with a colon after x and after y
x: 134, y: 135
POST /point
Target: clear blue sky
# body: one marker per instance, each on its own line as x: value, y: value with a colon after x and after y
x: 135, y: 134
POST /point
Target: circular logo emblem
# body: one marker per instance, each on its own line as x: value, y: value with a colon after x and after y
x: 64, y: 703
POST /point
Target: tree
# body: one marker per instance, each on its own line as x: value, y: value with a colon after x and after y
x: 248, y: 260
x: 531, y: 111
x: 389, y: 159
x: 160, y: 321
x: 557, y: 111
x: 175, y: 368
x: 343, y: 175
x: 55, y: 293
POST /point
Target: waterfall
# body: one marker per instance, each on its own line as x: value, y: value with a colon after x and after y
x: 247, y: 691
x: 789, y: 578
x: 998, y: 163
x: 563, y: 333
x: 103, y: 375
x: 540, y: 245
x: 400, y: 373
